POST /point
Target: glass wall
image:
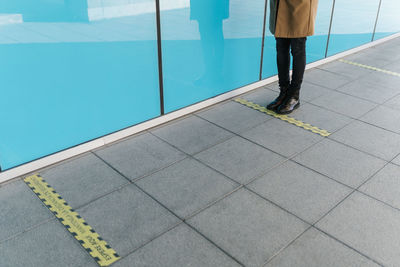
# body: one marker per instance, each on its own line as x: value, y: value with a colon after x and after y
x: 75, y: 70
x: 352, y: 24
x: 72, y: 71
x: 388, y: 20
x: 209, y: 47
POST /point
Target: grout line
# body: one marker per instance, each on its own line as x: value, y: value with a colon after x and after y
x: 286, y: 246
x: 172, y: 227
x: 348, y: 246
x: 212, y: 242
x: 30, y: 228
x: 212, y: 203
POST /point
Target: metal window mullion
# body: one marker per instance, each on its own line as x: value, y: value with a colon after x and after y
x: 330, y: 28
x: 159, y: 49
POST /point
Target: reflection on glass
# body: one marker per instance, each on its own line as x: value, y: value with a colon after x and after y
x: 209, y: 15
x: 389, y: 19
x: 316, y: 44
x: 47, y: 11
x: 209, y: 47
x: 69, y: 75
x: 352, y: 25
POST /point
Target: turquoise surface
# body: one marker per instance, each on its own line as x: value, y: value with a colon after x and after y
x: 67, y: 78
x: 389, y: 20
x: 352, y: 24
x: 209, y: 48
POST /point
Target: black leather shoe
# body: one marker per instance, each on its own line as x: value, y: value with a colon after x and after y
x: 288, y: 106
x: 278, y: 101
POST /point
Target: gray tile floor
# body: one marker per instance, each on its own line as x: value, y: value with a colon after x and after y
x: 230, y: 186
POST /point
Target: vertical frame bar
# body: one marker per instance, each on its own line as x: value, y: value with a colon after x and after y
x: 160, y: 65
x: 376, y: 21
x: 263, y: 40
x: 330, y: 28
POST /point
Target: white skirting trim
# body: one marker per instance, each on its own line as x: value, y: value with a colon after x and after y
x: 71, y: 152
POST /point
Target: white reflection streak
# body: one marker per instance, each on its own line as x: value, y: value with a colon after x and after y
x: 116, y: 11
x: 10, y: 19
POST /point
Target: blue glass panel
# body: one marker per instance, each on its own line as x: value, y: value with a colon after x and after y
x: 209, y: 47
x: 389, y: 19
x: 316, y: 44
x: 352, y: 25
x: 72, y: 71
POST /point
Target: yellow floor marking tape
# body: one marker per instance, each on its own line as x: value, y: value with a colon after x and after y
x: 369, y: 67
x: 286, y: 118
x: 76, y: 225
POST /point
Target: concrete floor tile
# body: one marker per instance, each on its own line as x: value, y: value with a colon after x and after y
x: 394, y: 66
x: 320, y: 117
x: 261, y: 96
x: 371, y: 139
x: 273, y: 86
x: 340, y: 162
x: 249, y: 228
x: 309, y: 91
x: 181, y: 246
x: 384, y: 117
x: 192, y: 134
x: 234, y: 116
x: 369, y: 57
x: 187, y: 186
x: 47, y: 245
x: 239, y: 159
x: 396, y: 160
x: 367, y: 225
x: 369, y: 91
x: 127, y: 218
x: 390, y: 55
x: 325, y: 78
x: 350, y: 71
x: 20, y: 209
x: 385, y: 185
x: 140, y: 155
x: 282, y: 137
x: 83, y: 179
x: 315, y: 249
x: 301, y: 191
x: 393, y: 103
x: 383, y: 80
x: 344, y: 104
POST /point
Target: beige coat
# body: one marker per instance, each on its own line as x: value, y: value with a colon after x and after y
x: 292, y: 18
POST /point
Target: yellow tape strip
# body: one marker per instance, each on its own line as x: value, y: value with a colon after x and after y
x: 286, y: 118
x: 370, y: 67
x: 76, y: 225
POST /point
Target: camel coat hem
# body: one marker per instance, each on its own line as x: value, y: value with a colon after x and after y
x: 292, y: 18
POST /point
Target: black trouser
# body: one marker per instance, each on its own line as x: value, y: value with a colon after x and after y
x: 298, y: 49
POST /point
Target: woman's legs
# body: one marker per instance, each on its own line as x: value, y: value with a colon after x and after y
x: 291, y: 101
x: 298, y: 48
x: 283, y: 63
